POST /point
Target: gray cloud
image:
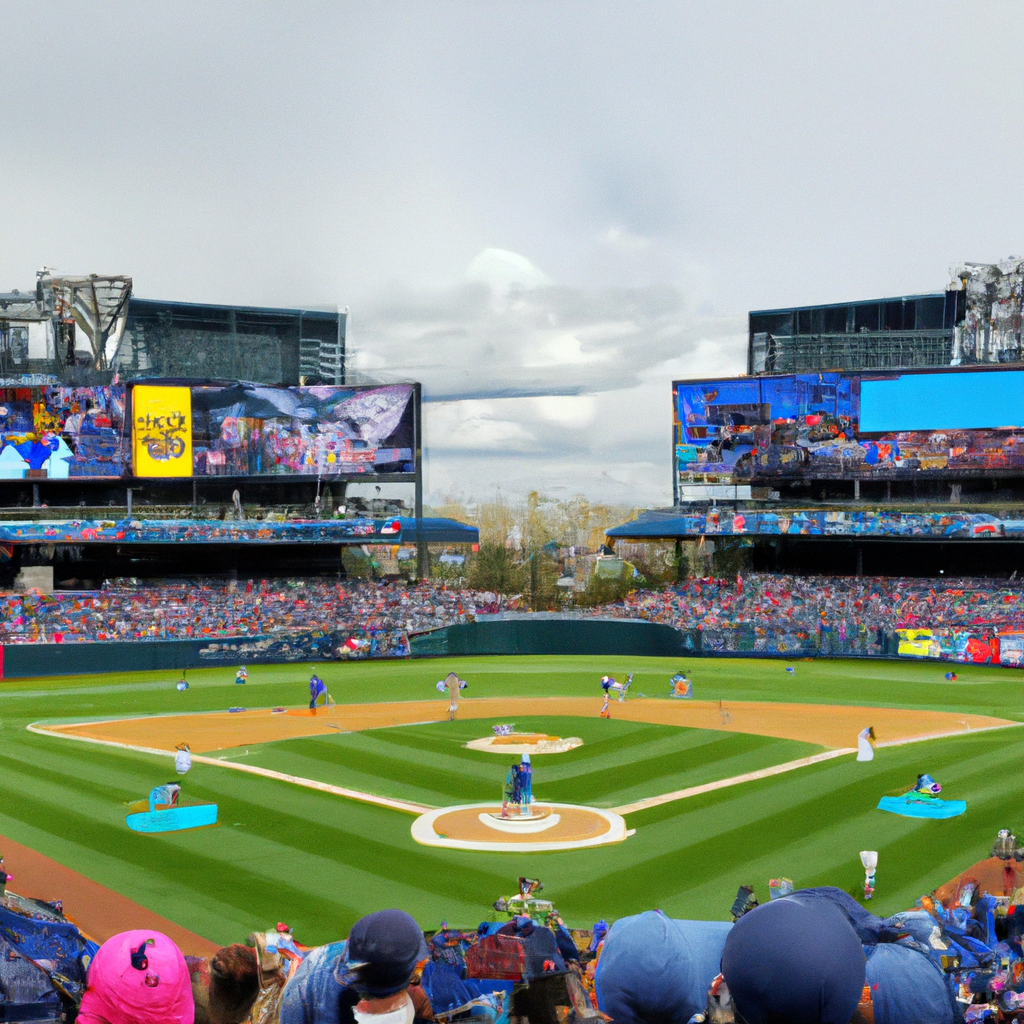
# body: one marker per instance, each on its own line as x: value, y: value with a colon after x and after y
x: 546, y: 387
x: 496, y: 337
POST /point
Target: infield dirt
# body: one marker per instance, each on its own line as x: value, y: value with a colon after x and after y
x: 574, y: 824
x: 100, y: 912
x: 833, y: 726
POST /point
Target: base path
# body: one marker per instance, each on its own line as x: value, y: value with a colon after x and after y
x: 100, y: 912
x: 828, y: 725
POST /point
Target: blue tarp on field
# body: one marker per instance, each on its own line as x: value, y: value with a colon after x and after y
x: 910, y: 805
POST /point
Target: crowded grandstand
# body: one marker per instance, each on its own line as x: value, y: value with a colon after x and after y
x: 980, y: 620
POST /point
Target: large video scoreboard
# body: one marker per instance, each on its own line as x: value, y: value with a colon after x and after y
x: 868, y: 425
x: 178, y: 429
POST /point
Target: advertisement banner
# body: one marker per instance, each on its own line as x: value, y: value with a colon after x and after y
x: 57, y: 433
x: 162, y: 431
x: 970, y: 646
x: 219, y: 429
x: 1011, y: 650
x: 917, y: 643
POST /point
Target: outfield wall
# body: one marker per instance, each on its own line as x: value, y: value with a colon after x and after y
x: 636, y: 638
x: 553, y: 636
x: 33, y: 660
x: 30, y: 661
x: 605, y: 637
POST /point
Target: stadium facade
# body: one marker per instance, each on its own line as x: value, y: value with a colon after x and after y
x: 161, y: 421
x: 976, y: 320
x: 89, y: 330
x: 883, y: 437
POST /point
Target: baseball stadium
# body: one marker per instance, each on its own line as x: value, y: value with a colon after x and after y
x: 247, y: 708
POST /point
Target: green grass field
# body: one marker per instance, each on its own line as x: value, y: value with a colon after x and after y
x: 317, y: 861
x: 619, y: 762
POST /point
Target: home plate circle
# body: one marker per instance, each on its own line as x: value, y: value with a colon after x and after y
x: 549, y: 827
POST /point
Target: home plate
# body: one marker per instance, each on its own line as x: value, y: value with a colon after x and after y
x: 481, y: 827
x: 539, y: 821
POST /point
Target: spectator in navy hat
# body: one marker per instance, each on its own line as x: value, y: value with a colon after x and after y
x: 794, y: 962
x: 364, y: 980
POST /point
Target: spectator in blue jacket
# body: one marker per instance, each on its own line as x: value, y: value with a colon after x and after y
x: 364, y: 980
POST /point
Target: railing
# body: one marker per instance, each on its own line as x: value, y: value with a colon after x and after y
x: 867, y: 350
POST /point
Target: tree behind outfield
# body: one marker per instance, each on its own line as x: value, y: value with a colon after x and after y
x: 496, y: 568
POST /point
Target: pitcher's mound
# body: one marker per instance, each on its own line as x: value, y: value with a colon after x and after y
x: 526, y: 743
x: 549, y: 827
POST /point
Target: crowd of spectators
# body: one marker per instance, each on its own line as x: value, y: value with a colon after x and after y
x: 843, y: 606
x: 203, y: 609
x: 810, y: 956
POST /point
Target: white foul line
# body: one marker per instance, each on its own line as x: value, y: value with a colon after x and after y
x: 710, y: 787
x: 788, y: 766
x: 409, y: 807
x: 297, y: 780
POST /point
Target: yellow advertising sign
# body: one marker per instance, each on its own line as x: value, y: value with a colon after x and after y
x: 917, y: 643
x: 162, y: 431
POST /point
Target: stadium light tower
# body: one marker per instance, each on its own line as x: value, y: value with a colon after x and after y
x: 97, y: 304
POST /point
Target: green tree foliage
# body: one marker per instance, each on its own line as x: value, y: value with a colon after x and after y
x: 496, y: 568
x: 605, y: 589
x: 357, y: 566
x: 540, y: 580
x: 446, y: 572
x: 520, y: 540
x: 731, y: 557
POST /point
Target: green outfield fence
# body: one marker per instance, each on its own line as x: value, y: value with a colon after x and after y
x: 637, y: 638
x: 29, y: 661
x: 631, y: 638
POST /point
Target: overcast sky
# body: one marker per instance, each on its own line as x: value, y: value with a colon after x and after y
x: 545, y: 211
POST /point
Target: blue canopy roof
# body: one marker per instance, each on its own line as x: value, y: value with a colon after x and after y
x: 250, y: 531
x: 657, y: 523
x: 725, y: 521
x: 438, y: 531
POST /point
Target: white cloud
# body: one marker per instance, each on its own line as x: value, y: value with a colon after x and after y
x: 472, y: 339
x: 502, y: 271
x: 549, y: 388
x: 567, y: 410
x: 481, y: 426
x: 557, y: 350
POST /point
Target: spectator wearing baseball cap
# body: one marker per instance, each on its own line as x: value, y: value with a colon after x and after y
x: 795, y: 961
x: 364, y: 980
x: 138, y: 977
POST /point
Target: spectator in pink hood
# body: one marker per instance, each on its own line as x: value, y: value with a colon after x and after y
x: 138, y: 977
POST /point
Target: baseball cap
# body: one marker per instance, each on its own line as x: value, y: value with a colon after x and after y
x: 383, y: 951
x: 797, y: 962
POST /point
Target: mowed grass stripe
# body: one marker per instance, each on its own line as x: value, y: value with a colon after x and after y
x: 818, y: 822
x: 726, y: 756
x: 97, y: 826
x: 624, y: 761
x: 188, y: 875
x: 251, y: 867
x: 686, y: 858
